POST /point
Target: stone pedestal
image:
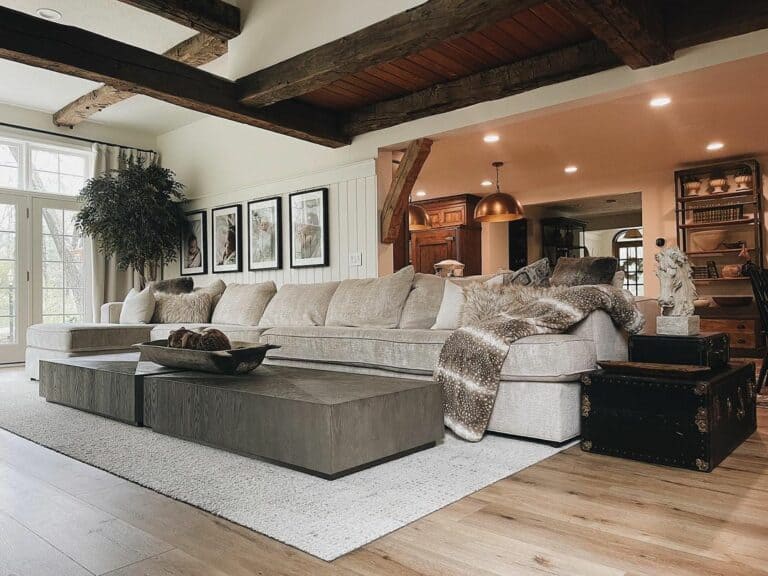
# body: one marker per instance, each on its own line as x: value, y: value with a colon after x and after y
x: 677, y: 325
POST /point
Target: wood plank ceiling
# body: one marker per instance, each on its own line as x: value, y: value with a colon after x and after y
x: 533, y: 31
x: 438, y: 56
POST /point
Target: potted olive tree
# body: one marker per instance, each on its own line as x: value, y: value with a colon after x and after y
x: 134, y: 213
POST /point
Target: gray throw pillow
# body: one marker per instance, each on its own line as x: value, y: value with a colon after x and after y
x: 243, y: 304
x: 374, y: 302
x: 535, y: 274
x: 584, y: 271
x: 194, y: 307
x: 183, y: 285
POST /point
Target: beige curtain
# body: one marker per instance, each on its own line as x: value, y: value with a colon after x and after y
x: 108, y: 284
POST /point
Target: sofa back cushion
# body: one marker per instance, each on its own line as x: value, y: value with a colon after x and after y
x: 370, y: 301
x: 243, y: 304
x: 138, y: 307
x: 299, y: 305
x: 423, y: 303
x: 173, y: 308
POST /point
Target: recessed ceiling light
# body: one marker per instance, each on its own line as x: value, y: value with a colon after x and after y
x: 486, y: 183
x: 48, y: 14
x: 421, y: 193
x: 571, y: 169
x: 712, y: 146
x: 660, y: 101
x: 491, y: 138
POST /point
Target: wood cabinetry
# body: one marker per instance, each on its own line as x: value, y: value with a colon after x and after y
x: 454, y: 235
x: 742, y: 325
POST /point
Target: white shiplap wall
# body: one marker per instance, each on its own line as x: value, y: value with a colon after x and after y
x: 353, y: 223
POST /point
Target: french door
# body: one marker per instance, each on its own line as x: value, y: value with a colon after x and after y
x: 44, y: 268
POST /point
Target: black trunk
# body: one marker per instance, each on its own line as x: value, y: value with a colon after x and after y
x: 706, y: 349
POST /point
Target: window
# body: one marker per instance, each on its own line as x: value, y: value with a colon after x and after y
x: 36, y: 167
x: 63, y: 257
x: 628, y: 250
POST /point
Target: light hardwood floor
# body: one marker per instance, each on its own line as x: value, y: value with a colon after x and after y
x: 572, y: 514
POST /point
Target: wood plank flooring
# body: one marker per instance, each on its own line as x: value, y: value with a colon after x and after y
x: 573, y: 514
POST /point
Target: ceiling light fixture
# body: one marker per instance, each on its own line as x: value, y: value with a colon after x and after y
x: 48, y: 14
x: 421, y: 193
x: 660, y: 101
x: 571, y: 169
x: 490, y: 138
x: 486, y: 183
x: 712, y: 146
x: 499, y: 206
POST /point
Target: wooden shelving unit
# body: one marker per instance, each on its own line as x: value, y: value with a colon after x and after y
x: 741, y: 323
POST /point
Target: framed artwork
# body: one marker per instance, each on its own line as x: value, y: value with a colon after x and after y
x: 193, y: 252
x: 265, y: 231
x: 227, y: 239
x: 309, y: 228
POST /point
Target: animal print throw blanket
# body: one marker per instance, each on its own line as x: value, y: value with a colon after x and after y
x: 494, y: 317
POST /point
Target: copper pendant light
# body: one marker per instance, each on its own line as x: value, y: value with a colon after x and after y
x: 499, y: 206
x: 418, y: 219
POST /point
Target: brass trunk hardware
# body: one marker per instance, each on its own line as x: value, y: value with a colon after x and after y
x: 701, y: 465
x: 586, y: 445
x: 586, y: 405
x: 701, y: 420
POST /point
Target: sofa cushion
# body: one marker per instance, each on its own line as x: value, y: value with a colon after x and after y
x: 371, y: 301
x: 234, y: 332
x: 299, y: 305
x: 87, y: 337
x: 423, y: 303
x: 548, y: 357
x: 138, y: 308
x: 243, y: 304
x: 190, y: 307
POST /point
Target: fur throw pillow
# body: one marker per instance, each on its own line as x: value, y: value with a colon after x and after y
x: 181, y: 308
x: 584, y: 271
x: 181, y: 285
x: 206, y: 339
x: 536, y: 274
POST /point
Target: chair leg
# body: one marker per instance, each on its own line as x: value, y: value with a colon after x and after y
x: 763, y: 375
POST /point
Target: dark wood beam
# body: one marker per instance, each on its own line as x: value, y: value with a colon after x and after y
x: 195, y: 51
x: 535, y: 72
x: 400, y: 35
x: 212, y: 17
x: 691, y: 23
x: 633, y: 29
x: 37, y: 42
x: 396, y: 202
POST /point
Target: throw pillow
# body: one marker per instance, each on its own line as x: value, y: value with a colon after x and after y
x: 449, y: 316
x: 243, y: 304
x: 194, y: 307
x: 618, y: 280
x: 582, y: 271
x: 138, y: 307
x: 181, y: 285
x: 371, y: 301
x: 299, y: 305
x: 535, y: 274
x: 423, y: 303
x: 215, y: 289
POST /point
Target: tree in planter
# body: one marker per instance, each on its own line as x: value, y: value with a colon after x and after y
x: 134, y: 213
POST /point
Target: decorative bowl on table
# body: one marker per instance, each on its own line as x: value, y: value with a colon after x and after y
x: 242, y: 358
x: 732, y: 301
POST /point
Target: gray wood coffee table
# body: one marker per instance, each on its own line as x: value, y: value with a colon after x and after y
x: 327, y: 423
x: 113, y: 388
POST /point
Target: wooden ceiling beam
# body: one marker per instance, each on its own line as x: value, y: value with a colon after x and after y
x: 398, y: 36
x: 396, y: 202
x: 67, y: 50
x: 563, y: 64
x: 710, y: 20
x: 212, y: 17
x: 633, y: 29
x: 195, y: 51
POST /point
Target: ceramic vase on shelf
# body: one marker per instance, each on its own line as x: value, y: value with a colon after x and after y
x: 718, y: 185
x: 692, y: 187
x: 743, y: 182
x: 731, y: 271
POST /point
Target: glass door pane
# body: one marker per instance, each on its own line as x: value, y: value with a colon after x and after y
x: 13, y: 301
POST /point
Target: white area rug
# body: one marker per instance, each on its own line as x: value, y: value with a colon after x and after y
x: 326, y: 518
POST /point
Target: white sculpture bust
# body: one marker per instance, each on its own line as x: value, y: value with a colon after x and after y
x: 676, y: 295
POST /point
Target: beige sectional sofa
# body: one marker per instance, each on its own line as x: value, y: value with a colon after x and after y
x: 380, y: 326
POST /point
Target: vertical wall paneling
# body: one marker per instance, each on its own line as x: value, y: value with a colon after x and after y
x: 353, y: 223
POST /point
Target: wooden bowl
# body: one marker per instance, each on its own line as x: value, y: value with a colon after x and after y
x: 729, y: 301
x: 244, y: 357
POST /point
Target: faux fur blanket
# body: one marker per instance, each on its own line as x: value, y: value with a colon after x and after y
x: 494, y: 317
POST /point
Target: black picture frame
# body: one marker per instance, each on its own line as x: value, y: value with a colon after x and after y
x: 234, y: 219
x: 202, y: 245
x: 277, y: 235
x: 299, y: 207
